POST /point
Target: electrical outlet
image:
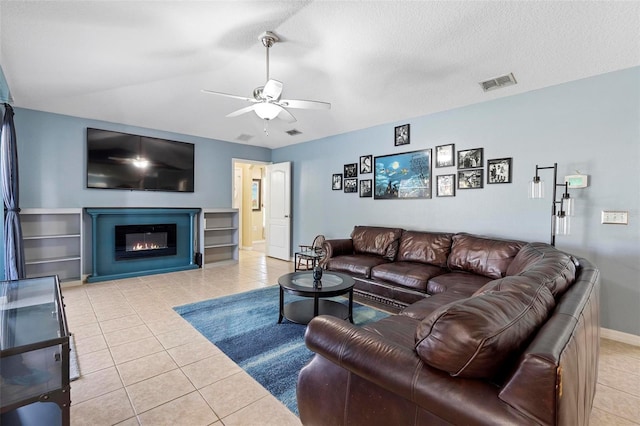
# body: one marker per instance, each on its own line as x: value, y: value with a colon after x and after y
x: 615, y: 217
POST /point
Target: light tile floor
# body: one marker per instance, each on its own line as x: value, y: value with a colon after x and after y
x: 141, y: 363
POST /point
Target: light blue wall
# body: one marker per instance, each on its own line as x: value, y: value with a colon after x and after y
x: 52, y: 157
x: 590, y: 125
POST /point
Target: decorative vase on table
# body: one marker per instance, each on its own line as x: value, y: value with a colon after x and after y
x: 317, y: 277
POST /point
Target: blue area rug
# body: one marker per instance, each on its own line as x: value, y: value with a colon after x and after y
x: 245, y: 327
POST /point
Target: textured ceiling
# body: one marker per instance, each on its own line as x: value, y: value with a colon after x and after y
x: 144, y: 63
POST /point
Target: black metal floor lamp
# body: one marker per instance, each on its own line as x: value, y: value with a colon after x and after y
x: 560, y: 223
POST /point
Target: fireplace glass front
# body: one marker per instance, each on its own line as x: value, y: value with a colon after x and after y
x: 140, y: 241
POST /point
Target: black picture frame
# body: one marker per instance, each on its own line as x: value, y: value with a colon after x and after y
x: 401, y: 135
x: 470, y: 158
x: 446, y: 185
x: 350, y: 170
x: 366, y: 164
x: 336, y: 182
x: 499, y: 170
x: 470, y: 179
x: 445, y: 155
x: 366, y: 188
x: 351, y: 185
x: 403, y: 176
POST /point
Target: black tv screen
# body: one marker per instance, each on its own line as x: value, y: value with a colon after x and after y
x: 122, y: 161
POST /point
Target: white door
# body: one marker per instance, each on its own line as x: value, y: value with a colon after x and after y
x: 278, y: 223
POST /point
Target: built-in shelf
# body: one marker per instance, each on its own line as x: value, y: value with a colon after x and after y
x: 219, y: 236
x: 53, y: 243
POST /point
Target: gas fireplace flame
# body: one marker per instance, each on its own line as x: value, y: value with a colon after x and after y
x: 146, y: 246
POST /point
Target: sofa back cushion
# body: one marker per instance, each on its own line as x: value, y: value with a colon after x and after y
x: 424, y: 247
x: 474, y: 337
x: 376, y: 240
x: 483, y: 256
x: 547, y: 264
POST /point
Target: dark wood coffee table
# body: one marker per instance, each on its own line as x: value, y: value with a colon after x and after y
x: 301, y: 284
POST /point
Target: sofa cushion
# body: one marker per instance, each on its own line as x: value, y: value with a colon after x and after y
x: 513, y: 283
x: 355, y: 264
x: 473, y: 337
x: 424, y: 247
x: 406, y: 274
x: 458, y: 282
x: 526, y: 257
x: 424, y: 307
x: 545, y: 263
x: 484, y: 256
x: 376, y: 241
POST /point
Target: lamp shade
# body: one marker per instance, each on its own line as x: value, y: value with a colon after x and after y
x: 536, y: 188
x: 562, y: 224
x: 568, y: 205
x: 266, y: 110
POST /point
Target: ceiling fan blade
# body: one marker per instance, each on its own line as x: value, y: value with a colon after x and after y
x: 241, y: 111
x: 286, y: 116
x: 302, y: 104
x: 211, y: 92
x: 272, y: 89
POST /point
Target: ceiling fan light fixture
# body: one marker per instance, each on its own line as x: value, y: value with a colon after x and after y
x: 267, y: 110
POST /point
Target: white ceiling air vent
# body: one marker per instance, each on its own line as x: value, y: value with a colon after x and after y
x: 293, y: 132
x: 498, y: 82
x: 244, y: 137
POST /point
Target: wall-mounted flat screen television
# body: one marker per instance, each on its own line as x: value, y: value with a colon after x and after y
x: 122, y: 161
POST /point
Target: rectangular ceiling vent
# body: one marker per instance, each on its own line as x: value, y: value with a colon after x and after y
x: 293, y: 132
x: 244, y: 137
x: 498, y: 82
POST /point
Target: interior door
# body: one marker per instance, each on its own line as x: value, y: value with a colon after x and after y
x: 278, y: 223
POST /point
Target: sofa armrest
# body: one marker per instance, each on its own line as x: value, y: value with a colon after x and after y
x: 336, y: 247
x: 363, y: 352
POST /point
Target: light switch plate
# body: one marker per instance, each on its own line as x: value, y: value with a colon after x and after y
x: 615, y: 217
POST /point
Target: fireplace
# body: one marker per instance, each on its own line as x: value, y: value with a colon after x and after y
x: 142, y: 241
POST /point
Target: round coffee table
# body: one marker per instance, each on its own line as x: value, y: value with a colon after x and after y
x: 301, y: 284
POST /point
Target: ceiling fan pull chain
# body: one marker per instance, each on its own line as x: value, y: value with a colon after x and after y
x: 266, y: 127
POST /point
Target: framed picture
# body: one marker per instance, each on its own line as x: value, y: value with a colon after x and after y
x: 350, y: 170
x: 470, y: 158
x: 499, y: 170
x: 256, y: 202
x: 406, y: 175
x: 366, y: 188
x: 336, y: 182
x: 351, y: 185
x: 366, y: 164
x: 445, y: 155
x: 470, y: 179
x: 446, y: 186
x: 401, y: 135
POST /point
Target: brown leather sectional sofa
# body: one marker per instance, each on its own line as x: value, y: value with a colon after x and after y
x: 495, y: 332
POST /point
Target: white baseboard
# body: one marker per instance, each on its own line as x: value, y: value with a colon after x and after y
x: 619, y: 336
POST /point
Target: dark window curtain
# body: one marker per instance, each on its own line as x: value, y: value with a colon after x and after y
x: 13, y: 248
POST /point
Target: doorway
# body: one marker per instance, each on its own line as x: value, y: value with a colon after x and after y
x: 248, y: 198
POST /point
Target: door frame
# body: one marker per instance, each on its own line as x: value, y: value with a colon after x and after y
x: 237, y: 162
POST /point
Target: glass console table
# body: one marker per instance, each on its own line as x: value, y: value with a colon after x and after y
x: 34, y: 353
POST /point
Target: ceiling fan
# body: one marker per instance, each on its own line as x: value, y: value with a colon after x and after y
x: 266, y: 101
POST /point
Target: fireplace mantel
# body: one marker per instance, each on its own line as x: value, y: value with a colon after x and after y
x: 103, y: 223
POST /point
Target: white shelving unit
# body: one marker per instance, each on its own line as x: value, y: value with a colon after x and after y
x: 218, y: 236
x: 53, y: 243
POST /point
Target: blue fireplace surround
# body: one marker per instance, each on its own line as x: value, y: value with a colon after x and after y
x: 103, y: 223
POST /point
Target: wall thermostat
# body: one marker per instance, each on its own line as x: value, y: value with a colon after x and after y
x: 577, y: 181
